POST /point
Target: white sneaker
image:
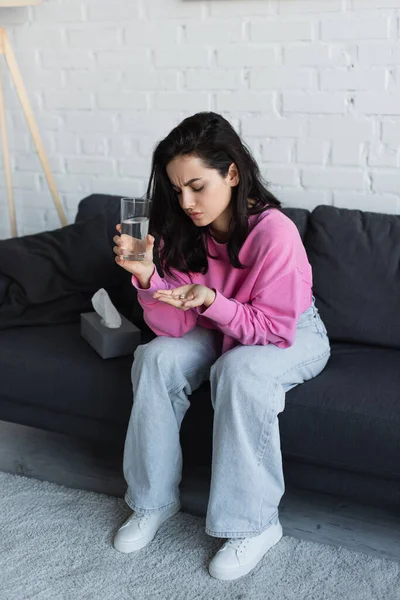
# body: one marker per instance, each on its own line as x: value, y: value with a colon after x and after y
x: 238, y: 556
x: 138, y: 531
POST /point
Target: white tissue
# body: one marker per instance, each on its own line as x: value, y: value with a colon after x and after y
x: 105, y: 308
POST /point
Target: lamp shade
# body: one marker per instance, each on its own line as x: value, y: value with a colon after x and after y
x: 14, y: 3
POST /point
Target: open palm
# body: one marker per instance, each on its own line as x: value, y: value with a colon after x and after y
x: 194, y: 295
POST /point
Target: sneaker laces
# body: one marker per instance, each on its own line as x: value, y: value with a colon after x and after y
x: 135, y: 517
x: 238, y: 544
x: 143, y: 518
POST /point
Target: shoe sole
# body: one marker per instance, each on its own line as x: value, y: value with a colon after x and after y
x: 127, y: 547
x: 236, y: 572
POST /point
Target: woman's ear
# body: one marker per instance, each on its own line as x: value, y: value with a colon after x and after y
x: 233, y: 175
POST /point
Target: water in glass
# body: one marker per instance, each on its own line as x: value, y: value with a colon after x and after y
x: 133, y: 235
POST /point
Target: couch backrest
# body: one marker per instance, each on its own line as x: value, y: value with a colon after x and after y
x: 124, y: 297
x: 300, y: 217
x: 355, y: 257
x: 110, y: 206
x: 100, y: 203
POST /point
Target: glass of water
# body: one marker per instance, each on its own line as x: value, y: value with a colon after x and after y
x: 135, y: 213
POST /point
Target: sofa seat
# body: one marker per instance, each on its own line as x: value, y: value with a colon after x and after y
x: 356, y: 397
x: 63, y: 383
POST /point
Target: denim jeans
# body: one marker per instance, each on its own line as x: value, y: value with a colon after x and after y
x: 248, y: 386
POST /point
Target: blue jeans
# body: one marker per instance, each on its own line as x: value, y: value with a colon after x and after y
x: 248, y: 386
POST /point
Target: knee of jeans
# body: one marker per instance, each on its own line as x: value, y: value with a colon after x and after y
x: 151, y: 351
x: 228, y: 366
x: 159, y: 352
x: 233, y: 368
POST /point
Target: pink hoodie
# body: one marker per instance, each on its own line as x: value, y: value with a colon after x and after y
x: 257, y: 305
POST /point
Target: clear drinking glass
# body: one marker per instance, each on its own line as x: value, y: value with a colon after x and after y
x: 135, y: 214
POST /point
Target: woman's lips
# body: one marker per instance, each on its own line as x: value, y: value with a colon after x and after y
x: 195, y: 215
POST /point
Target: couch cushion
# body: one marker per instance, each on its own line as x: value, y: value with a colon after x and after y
x: 300, y: 217
x: 5, y: 283
x: 50, y: 277
x: 110, y: 205
x: 348, y: 417
x: 56, y: 369
x: 355, y: 257
x: 95, y: 204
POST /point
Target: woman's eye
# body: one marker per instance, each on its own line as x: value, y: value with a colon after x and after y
x: 193, y: 189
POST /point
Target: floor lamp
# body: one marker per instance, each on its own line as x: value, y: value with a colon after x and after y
x: 7, y: 52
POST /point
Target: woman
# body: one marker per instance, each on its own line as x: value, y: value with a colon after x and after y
x: 235, y: 306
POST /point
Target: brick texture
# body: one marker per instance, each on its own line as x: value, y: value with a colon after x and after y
x: 313, y: 87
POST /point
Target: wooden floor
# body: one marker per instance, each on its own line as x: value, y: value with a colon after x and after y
x: 305, y: 515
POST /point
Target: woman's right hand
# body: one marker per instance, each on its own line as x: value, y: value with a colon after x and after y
x: 142, y: 269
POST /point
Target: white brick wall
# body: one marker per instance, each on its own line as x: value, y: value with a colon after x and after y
x: 313, y: 87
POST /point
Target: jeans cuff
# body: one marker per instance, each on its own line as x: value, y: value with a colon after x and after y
x: 243, y: 534
x: 146, y: 511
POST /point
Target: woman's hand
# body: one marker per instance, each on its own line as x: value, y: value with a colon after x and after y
x: 186, y: 297
x: 142, y: 269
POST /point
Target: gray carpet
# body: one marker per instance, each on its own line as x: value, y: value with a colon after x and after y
x: 56, y: 544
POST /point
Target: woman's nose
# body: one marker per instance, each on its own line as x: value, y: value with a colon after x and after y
x: 187, y: 201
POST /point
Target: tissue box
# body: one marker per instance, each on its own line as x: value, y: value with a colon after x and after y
x: 108, y: 342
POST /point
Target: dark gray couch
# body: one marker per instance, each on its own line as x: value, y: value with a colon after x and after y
x: 340, y: 432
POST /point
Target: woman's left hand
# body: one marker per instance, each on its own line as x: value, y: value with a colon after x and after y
x: 186, y: 296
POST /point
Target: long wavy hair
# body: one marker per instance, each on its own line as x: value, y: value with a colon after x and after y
x: 211, y: 138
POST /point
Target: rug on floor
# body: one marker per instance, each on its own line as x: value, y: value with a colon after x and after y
x: 56, y: 544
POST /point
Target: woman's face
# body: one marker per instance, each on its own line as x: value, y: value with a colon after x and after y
x: 202, y: 193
